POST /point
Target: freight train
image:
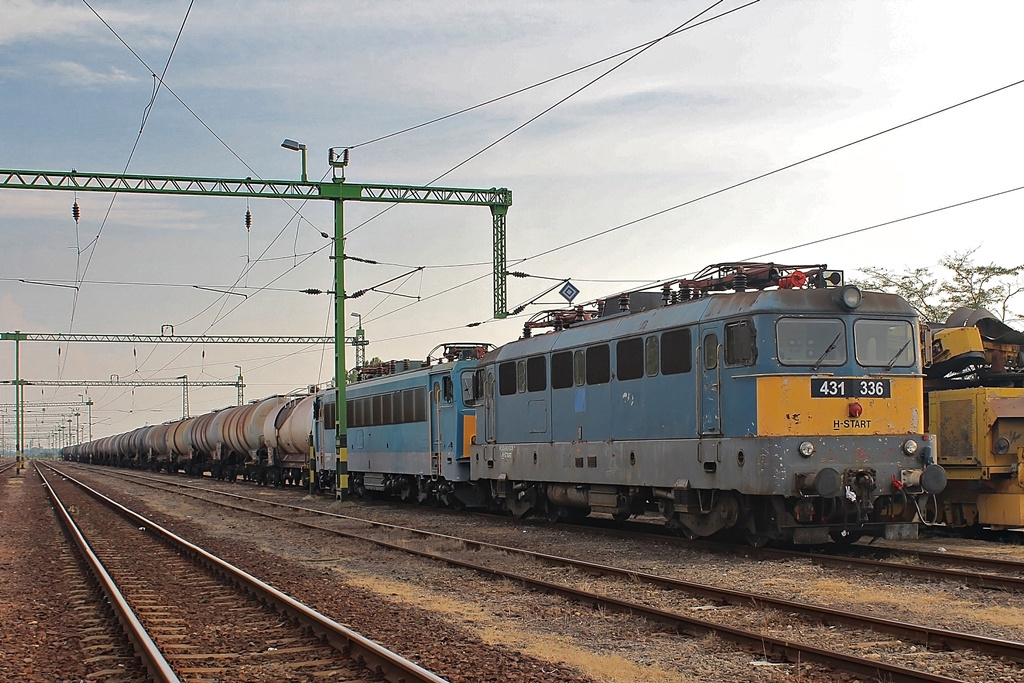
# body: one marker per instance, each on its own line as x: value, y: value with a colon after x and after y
x: 757, y: 400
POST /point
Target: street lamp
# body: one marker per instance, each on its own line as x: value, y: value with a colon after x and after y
x: 359, y: 341
x: 297, y: 147
x: 241, y: 387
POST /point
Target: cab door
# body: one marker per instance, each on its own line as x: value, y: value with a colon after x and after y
x: 709, y: 383
x: 441, y: 419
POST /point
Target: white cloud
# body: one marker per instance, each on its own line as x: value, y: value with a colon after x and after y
x: 75, y: 74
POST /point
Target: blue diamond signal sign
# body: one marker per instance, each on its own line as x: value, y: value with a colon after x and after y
x: 568, y: 292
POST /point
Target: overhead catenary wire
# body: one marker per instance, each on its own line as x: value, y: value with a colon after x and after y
x: 760, y: 177
x: 527, y: 88
x: 836, y: 236
x: 91, y: 247
x: 767, y: 174
x: 563, y: 100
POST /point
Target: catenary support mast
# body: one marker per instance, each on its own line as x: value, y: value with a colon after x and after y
x: 336, y: 190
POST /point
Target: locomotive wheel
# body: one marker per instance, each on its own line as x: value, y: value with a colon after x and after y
x: 621, y: 516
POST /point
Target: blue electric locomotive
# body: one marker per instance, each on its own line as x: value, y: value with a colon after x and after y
x: 788, y: 413
x: 410, y: 426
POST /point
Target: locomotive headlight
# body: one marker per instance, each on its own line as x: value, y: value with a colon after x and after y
x: 850, y: 297
x: 806, y: 449
x: 910, y: 447
x: 1002, y: 445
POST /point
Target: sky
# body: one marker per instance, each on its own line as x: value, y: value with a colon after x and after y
x: 742, y: 95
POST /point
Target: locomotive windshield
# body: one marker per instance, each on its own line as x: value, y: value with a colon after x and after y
x: 885, y: 343
x: 811, y: 341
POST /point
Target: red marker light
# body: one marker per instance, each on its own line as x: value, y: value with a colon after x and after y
x: 856, y: 409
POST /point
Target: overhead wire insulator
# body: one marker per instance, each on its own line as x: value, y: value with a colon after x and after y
x: 248, y: 219
x: 76, y: 211
x: 311, y: 291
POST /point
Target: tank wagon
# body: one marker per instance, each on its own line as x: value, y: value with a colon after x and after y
x: 267, y: 441
x: 755, y: 399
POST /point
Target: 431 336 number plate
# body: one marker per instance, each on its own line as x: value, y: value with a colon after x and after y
x: 826, y: 387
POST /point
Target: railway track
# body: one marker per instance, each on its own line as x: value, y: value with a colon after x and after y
x: 189, y: 614
x: 866, y: 558
x: 782, y: 648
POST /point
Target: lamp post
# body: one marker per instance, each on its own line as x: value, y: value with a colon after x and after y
x: 241, y: 387
x: 88, y: 405
x: 297, y: 147
x: 359, y: 341
x: 184, y: 395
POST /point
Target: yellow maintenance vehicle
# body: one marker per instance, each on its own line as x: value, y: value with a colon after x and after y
x: 974, y: 404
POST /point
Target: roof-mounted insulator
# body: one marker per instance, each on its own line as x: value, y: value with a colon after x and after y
x: 76, y: 211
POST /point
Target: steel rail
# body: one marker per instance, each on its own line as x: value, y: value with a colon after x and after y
x: 1002, y: 582
x: 926, y: 635
x: 147, y: 651
x: 996, y: 563
x: 792, y: 650
x: 996, y: 581
x: 391, y: 666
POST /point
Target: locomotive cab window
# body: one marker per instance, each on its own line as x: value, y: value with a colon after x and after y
x: 811, y: 341
x: 521, y: 376
x: 884, y: 343
x: 710, y: 351
x: 740, y: 343
x: 448, y: 388
x: 472, y: 386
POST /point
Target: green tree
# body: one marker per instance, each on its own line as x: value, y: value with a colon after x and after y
x: 353, y: 373
x: 965, y: 284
